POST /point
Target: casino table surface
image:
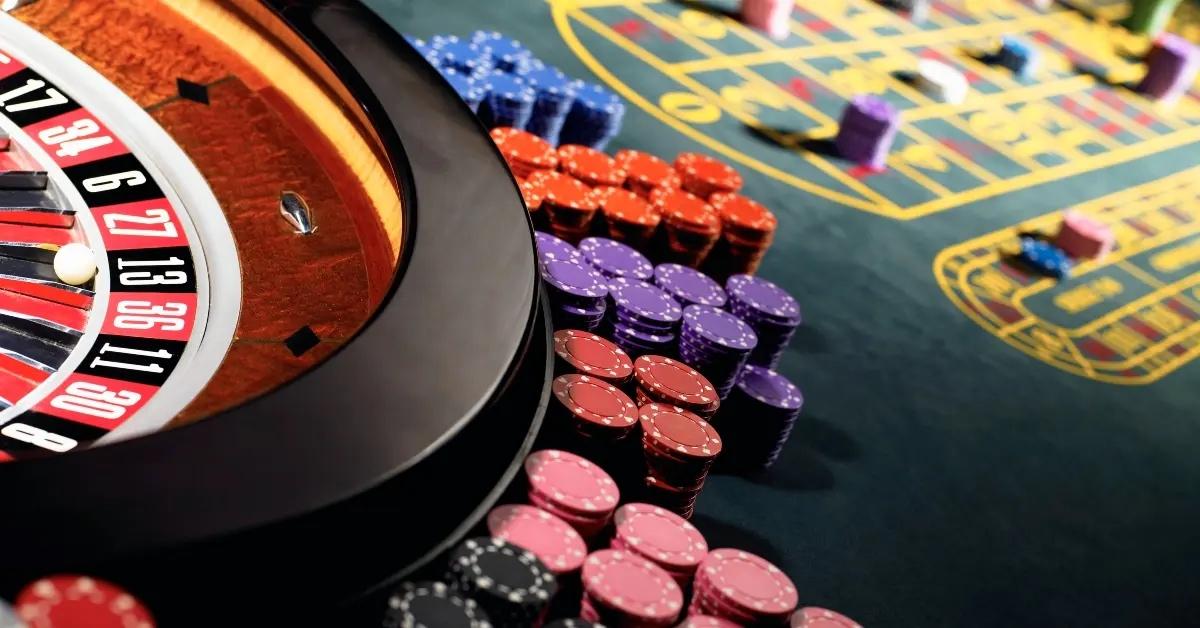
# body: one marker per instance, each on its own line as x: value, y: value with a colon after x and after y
x: 978, y: 447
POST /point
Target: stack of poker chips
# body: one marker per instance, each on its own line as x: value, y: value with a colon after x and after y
x: 941, y: 82
x: 508, y: 103
x: 551, y: 539
x: 468, y: 89
x: 525, y: 153
x: 1171, y: 67
x: 628, y: 217
x: 585, y: 353
x: 918, y: 10
x: 706, y: 621
x: 573, y: 622
x: 716, y: 343
x: 576, y: 291
x: 614, y: 259
x: 747, y: 231
x: 679, y: 448
x: 551, y: 247
x: 689, y: 286
x: 645, y: 173
x: 770, y: 16
x: 868, y: 128
x: 467, y: 58
x: 663, y: 380
x: 704, y: 176
x: 1150, y: 17
x: 512, y: 586
x: 661, y: 537
x: 554, y: 94
x: 642, y: 318
x: 505, y: 53
x: 691, y: 227
x: 573, y: 489
x: 591, y: 166
x: 567, y: 203
x: 623, y: 589
x: 769, y: 310
x: 1018, y: 56
x: 815, y: 617
x: 743, y: 588
x: 590, y: 411
x: 1044, y: 258
x: 595, y: 117
x: 760, y: 414
x: 428, y: 604
x: 1084, y: 237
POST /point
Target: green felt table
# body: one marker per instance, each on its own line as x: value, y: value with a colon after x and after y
x: 979, y: 446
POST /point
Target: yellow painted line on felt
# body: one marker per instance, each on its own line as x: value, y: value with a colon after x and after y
x: 1139, y: 274
x: 1041, y: 91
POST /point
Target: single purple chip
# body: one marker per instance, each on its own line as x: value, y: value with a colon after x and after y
x: 574, y: 278
x: 615, y: 259
x: 645, y: 300
x: 770, y: 388
x: 688, y: 285
x: 552, y: 247
x: 765, y: 296
x: 720, y: 327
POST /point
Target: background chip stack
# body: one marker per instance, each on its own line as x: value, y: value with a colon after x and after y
x: 663, y: 380
x: 868, y: 128
x: 508, y: 102
x: 624, y: 589
x: 512, y: 586
x: 551, y: 539
x: 645, y: 173
x: 524, y: 152
x: 769, y: 310
x: 772, y: 17
x: 432, y: 604
x: 554, y: 95
x: 627, y: 217
x: 573, y: 489
x: 689, y: 286
x: 593, y: 416
x: 662, y: 537
x: 814, y: 617
x: 469, y: 89
x: 595, y: 117
x: 1084, y: 237
x: 691, y: 227
x: 585, y: 353
x: 759, y: 416
x: 1171, y: 68
x: 717, y: 344
x: 704, y: 175
x: 679, y: 449
x: 567, y: 203
x: 747, y: 231
x: 642, y: 318
x: 742, y: 588
x: 465, y: 57
x: 576, y: 292
x: 706, y: 621
x: 590, y: 166
x: 614, y: 259
x: 507, y: 54
x: 1019, y: 56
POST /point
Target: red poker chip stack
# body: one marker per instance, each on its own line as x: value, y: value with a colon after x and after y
x: 743, y: 588
x: 628, y: 217
x: 690, y: 225
x: 549, y: 538
x: 624, y: 589
x: 568, y: 204
x: 747, y: 231
x: 590, y: 166
x: 595, y: 408
x: 588, y: 354
x: 646, y: 173
x: 671, y: 382
x: 704, y: 176
x: 573, y: 489
x: 531, y: 194
x: 662, y: 537
x: 814, y: 617
x: 679, y: 449
x: 525, y: 152
x: 71, y: 600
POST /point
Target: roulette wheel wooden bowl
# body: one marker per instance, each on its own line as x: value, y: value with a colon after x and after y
x: 312, y: 351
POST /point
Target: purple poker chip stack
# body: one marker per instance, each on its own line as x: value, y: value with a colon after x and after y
x: 759, y: 415
x: 716, y: 343
x: 643, y: 319
x: 614, y: 259
x: 689, y: 286
x: 769, y: 310
x: 577, y: 293
x: 1171, y: 68
x: 550, y: 247
x: 868, y: 128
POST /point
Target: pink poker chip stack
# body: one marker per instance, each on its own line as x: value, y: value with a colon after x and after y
x: 624, y: 589
x: 662, y: 537
x: 769, y: 16
x: 813, y: 617
x: 573, y: 489
x: 1084, y: 237
x: 742, y: 588
x: 706, y: 621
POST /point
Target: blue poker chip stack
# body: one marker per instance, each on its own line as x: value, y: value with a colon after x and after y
x: 506, y: 54
x: 576, y: 291
x: 689, y: 286
x: 770, y: 311
x: 595, y: 117
x: 716, y: 343
x: 463, y: 56
x: 509, y: 102
x: 1018, y: 55
x: 642, y: 319
x: 757, y: 419
x: 554, y: 94
x: 467, y: 88
x: 1045, y: 258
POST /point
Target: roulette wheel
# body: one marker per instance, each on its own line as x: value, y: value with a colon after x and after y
x: 270, y: 329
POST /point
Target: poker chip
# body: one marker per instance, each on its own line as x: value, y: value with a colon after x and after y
x: 432, y: 604
x: 568, y: 203
x: 679, y: 448
x: 766, y: 406
x: 661, y: 537
x: 716, y: 343
x: 590, y: 166
x: 814, y: 617
x: 551, y: 539
x: 531, y: 195
x: 669, y: 381
x: 628, y: 217
x: 551, y: 247
x: 595, y: 407
x: 465, y: 57
x: 466, y: 86
x: 689, y: 286
x: 508, y: 103
x: 506, y: 53
x: 747, y: 232
x: 743, y: 588
x: 704, y: 175
x: 595, y: 117
x: 941, y: 81
x: 623, y: 588
x: 614, y: 259
x: 867, y: 130
x: 576, y: 291
x: 646, y: 173
x: 769, y: 310
x: 573, y: 488
x: 706, y: 621
x: 511, y: 584
x: 679, y: 431
x: 524, y: 152
x: 555, y: 94
x: 573, y: 622
x: 72, y: 600
x: 588, y: 354
x: 691, y: 226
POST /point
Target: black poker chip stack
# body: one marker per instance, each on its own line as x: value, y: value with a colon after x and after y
x: 509, y: 583
x: 432, y: 604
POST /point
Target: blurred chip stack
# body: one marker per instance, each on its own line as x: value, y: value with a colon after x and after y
x: 646, y: 173
x: 1171, y: 67
x: 576, y: 292
x: 591, y: 166
x: 1019, y: 56
x: 868, y: 128
x: 506, y: 54
x: 814, y: 617
x: 525, y: 153
x: 624, y: 589
x: 508, y: 103
x: 595, y: 117
x: 573, y: 489
x: 691, y: 227
x: 679, y: 449
x: 747, y: 232
x: 769, y: 310
x: 467, y: 58
x: 628, y: 217
x: 554, y: 95
x: 643, y: 319
x: 743, y: 588
x: 704, y: 176
x: 706, y: 621
x: 770, y: 16
x: 716, y: 343
x: 1150, y: 17
x: 614, y: 259
x: 512, y: 586
x: 468, y: 89
x: 568, y: 204
x: 1084, y: 237
x: 918, y: 10
x: 429, y: 604
x: 586, y: 353
x: 551, y: 247
x: 661, y: 537
x: 689, y: 286
x: 760, y: 414
x: 941, y: 82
